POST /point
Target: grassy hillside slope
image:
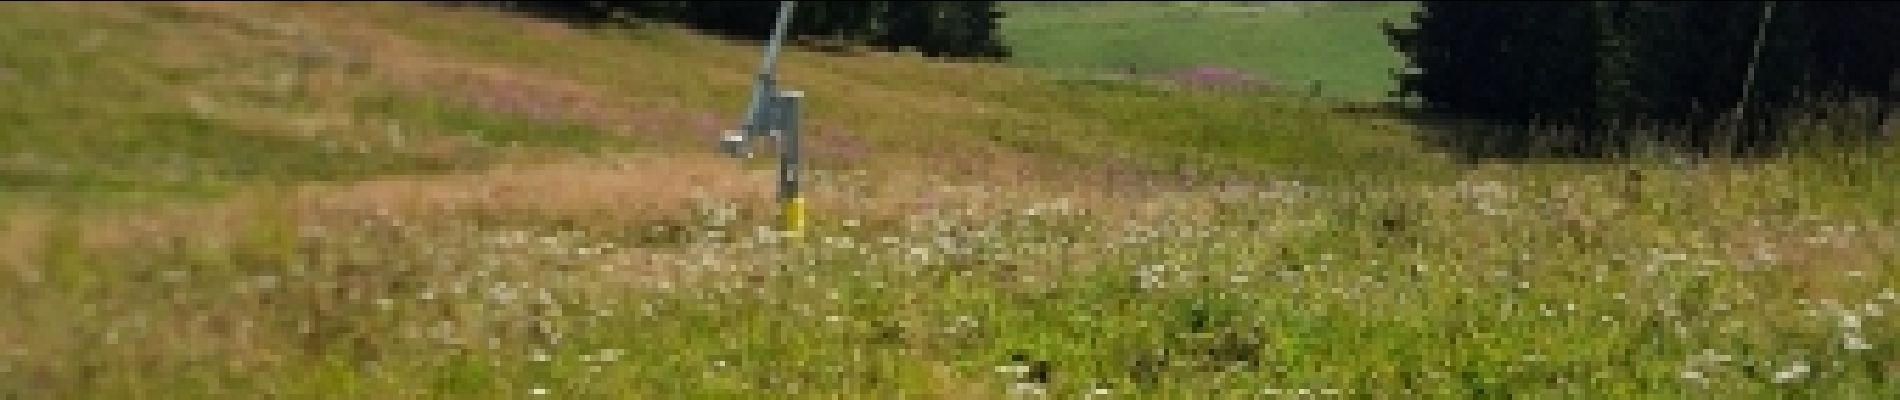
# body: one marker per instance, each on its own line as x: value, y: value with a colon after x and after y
x: 393, y: 200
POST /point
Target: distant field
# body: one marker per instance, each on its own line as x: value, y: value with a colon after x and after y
x: 1336, y: 43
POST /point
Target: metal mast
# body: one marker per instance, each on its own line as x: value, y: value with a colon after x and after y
x: 774, y: 113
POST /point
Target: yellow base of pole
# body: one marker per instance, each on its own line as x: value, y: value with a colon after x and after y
x: 795, y: 216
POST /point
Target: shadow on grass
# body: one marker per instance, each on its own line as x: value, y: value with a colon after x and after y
x: 1821, y: 128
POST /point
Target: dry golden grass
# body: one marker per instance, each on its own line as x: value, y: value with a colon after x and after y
x: 633, y: 187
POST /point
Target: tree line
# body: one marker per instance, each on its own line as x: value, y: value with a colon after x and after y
x: 964, y: 29
x: 1691, y: 65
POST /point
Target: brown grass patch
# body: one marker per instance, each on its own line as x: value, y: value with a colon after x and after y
x: 622, y: 189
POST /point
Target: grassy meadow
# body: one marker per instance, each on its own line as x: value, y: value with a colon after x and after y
x: 396, y: 200
x: 1293, y: 45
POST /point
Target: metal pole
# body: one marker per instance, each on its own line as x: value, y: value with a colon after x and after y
x: 786, y: 121
x: 1754, y: 59
x: 766, y: 85
x: 771, y: 112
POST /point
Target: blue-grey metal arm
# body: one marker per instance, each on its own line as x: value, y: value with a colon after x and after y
x: 766, y: 87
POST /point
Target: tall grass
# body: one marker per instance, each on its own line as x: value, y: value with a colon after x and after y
x: 1338, y: 258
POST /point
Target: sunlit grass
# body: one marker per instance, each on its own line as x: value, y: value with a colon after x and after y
x: 1293, y: 46
x: 1339, y: 259
x: 1292, y: 289
x: 110, y: 100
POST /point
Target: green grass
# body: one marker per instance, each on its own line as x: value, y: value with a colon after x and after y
x: 101, y: 112
x: 1310, y: 293
x: 1347, y: 261
x: 1022, y: 109
x: 1338, y: 44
